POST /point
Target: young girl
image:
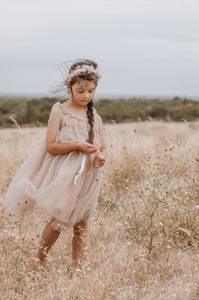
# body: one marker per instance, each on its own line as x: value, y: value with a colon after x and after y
x: 62, y: 177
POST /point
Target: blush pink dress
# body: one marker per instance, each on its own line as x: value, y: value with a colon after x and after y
x: 63, y: 186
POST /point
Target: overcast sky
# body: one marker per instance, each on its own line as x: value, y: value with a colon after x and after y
x: 141, y: 47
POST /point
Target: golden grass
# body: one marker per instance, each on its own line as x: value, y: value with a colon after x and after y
x: 144, y: 233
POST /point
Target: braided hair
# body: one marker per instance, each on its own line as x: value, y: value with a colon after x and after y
x: 88, y: 77
x: 90, y: 116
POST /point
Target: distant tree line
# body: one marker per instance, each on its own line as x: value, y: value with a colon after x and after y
x: 33, y: 111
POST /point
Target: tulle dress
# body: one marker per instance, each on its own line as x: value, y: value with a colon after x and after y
x: 64, y: 186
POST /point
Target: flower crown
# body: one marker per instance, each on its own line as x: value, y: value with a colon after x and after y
x: 83, y: 69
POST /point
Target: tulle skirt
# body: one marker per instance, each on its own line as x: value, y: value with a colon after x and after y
x: 65, y: 187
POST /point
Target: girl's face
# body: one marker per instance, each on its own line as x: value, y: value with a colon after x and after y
x: 83, y: 93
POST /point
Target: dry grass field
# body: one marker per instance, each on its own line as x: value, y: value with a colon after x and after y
x: 144, y: 234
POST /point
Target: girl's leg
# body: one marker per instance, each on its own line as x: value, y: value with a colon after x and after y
x: 48, y: 238
x: 79, y: 244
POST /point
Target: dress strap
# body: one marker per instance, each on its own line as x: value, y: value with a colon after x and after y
x: 95, y: 111
x: 60, y: 105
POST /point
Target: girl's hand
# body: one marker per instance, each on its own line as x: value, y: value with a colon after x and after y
x: 88, y: 148
x: 99, y: 160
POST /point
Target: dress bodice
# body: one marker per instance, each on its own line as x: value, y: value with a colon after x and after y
x: 75, y: 129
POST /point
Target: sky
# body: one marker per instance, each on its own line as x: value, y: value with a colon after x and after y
x: 143, y: 48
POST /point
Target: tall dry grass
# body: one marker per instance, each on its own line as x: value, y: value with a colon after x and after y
x: 144, y: 232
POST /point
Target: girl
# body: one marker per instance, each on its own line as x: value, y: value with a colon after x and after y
x: 62, y: 177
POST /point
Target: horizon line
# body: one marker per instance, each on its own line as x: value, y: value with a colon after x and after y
x: 103, y: 96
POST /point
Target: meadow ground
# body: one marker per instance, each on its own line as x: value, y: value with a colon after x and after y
x: 144, y: 234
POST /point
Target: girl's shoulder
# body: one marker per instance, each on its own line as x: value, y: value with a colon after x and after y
x: 56, y: 106
x: 97, y: 117
x: 96, y: 114
x: 56, y: 110
x: 95, y: 111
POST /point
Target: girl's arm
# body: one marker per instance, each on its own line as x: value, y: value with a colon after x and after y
x: 63, y: 148
x: 101, y: 157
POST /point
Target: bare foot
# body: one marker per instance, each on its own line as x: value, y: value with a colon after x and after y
x: 38, y: 267
x: 75, y: 272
